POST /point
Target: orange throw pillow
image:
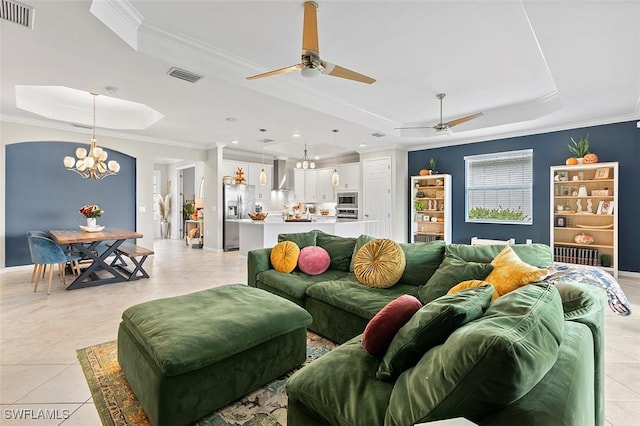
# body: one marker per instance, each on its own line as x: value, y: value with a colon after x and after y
x: 464, y: 285
x: 510, y: 272
x: 284, y: 256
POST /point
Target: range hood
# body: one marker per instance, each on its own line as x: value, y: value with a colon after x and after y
x: 282, y: 179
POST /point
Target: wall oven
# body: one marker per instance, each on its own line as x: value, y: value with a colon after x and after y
x: 347, y: 200
x: 346, y: 215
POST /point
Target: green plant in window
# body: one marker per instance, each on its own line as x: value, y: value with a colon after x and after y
x: 515, y: 215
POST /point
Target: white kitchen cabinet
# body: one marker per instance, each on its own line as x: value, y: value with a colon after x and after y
x: 349, y: 176
x: 229, y: 168
x: 304, y: 185
x: 263, y: 192
x: 324, y: 188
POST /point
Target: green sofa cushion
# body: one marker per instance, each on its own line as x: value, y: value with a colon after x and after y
x: 351, y: 296
x: 296, y: 283
x: 538, y: 255
x: 302, y: 239
x: 431, y: 326
x: 360, y: 241
x: 452, y: 270
x: 180, y: 333
x: 340, y: 249
x: 486, y: 364
x: 341, y: 388
x: 421, y: 261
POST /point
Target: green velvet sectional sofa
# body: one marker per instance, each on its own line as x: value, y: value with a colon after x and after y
x: 545, y: 367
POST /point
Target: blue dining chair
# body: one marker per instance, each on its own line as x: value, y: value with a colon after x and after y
x: 45, y: 251
x: 75, y: 265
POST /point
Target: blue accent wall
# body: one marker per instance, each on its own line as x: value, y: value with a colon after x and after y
x: 42, y: 195
x: 612, y: 142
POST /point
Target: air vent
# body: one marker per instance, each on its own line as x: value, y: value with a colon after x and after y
x: 378, y: 135
x: 17, y: 13
x: 266, y: 140
x: 184, y: 75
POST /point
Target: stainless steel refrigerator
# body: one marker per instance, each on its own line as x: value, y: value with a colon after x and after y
x: 238, y: 201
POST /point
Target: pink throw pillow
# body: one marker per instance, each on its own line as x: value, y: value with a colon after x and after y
x: 313, y: 260
x: 385, y: 324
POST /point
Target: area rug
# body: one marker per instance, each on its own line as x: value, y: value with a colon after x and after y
x: 117, y: 405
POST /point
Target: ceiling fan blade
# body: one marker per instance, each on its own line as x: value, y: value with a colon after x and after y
x: 310, y: 28
x: 296, y: 67
x: 413, y: 128
x: 463, y: 119
x: 338, y: 71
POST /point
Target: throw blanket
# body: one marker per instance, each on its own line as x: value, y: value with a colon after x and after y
x: 590, y: 275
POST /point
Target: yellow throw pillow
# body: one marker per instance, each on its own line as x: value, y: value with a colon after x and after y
x: 510, y: 272
x: 379, y: 263
x: 284, y: 256
x: 464, y: 285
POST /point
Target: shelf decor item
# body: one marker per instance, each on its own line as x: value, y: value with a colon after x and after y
x: 602, y: 173
x: 583, y: 238
x: 579, y: 149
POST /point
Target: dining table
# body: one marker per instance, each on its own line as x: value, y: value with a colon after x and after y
x: 95, y: 247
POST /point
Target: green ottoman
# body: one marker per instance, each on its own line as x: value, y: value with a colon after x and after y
x: 190, y: 355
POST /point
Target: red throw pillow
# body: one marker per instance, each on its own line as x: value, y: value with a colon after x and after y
x: 385, y: 324
x: 313, y: 260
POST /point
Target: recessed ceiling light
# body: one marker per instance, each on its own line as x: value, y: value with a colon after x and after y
x: 234, y: 142
x: 317, y: 157
x: 296, y: 135
x: 363, y: 144
x: 231, y: 119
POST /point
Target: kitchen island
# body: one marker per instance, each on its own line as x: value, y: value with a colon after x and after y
x: 264, y: 233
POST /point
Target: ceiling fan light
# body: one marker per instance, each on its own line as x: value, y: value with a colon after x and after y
x: 310, y: 72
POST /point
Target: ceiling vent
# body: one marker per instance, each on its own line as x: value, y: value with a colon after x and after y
x: 266, y: 140
x: 17, y: 13
x: 184, y: 75
x: 378, y: 135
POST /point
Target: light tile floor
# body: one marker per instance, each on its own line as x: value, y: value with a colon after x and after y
x: 39, y: 335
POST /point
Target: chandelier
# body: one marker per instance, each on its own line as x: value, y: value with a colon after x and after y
x: 305, y: 163
x: 92, y: 164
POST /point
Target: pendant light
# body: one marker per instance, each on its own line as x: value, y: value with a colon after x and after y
x: 263, y: 175
x: 304, y: 162
x: 335, y: 177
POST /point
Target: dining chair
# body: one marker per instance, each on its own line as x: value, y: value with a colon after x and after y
x: 45, y: 251
x: 75, y: 266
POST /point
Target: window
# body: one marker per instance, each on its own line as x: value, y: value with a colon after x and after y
x: 499, y: 187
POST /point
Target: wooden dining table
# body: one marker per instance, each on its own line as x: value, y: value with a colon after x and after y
x: 88, y: 244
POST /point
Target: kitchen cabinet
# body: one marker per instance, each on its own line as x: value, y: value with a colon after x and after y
x: 263, y: 192
x: 229, y: 168
x: 584, y: 216
x: 304, y: 185
x: 431, y: 208
x: 324, y: 192
x: 349, y: 176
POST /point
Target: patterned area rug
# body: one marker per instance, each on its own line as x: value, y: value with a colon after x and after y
x: 117, y: 405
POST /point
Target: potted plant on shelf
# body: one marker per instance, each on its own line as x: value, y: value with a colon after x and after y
x: 605, y: 260
x: 431, y: 170
x: 579, y: 149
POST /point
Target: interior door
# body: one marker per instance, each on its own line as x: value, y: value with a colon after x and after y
x: 376, y: 193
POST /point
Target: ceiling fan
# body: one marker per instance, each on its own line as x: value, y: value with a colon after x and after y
x: 312, y: 65
x: 442, y: 126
